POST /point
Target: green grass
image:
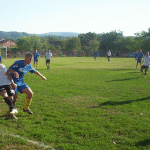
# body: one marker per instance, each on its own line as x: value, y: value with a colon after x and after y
x: 83, y: 105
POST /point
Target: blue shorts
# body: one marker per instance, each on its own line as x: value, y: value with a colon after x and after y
x: 35, y: 60
x: 139, y: 60
x: 20, y: 88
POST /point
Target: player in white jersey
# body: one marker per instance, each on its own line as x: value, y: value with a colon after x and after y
x: 108, y: 55
x: 6, y: 91
x: 48, y: 56
x: 146, y: 64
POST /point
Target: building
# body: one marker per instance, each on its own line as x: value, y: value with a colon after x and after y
x: 7, y: 43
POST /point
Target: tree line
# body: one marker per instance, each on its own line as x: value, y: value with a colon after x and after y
x: 87, y: 43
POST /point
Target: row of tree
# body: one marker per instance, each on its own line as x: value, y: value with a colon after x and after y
x: 89, y: 42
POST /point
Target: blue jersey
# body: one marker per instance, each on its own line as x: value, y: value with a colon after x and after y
x: 36, y: 56
x: 95, y: 54
x: 136, y: 55
x: 140, y: 56
x: 21, y: 69
x: 0, y: 59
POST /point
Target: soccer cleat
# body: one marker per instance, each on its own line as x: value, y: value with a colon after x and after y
x: 9, y: 116
x: 13, y: 111
x: 28, y: 111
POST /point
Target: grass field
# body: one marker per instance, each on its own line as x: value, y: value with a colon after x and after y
x: 83, y: 105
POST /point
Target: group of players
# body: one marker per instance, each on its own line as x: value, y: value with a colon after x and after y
x: 11, y: 81
x: 140, y: 58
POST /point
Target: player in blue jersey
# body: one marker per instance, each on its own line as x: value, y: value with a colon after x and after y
x: 17, y: 71
x: 95, y: 54
x: 36, y: 58
x: 0, y: 59
x: 139, y: 58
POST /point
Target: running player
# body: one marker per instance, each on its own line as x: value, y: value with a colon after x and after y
x: 0, y: 59
x: 48, y: 56
x: 139, y: 58
x: 108, y: 55
x: 7, y: 92
x: 146, y: 64
x: 36, y: 58
x: 17, y: 71
x: 95, y: 54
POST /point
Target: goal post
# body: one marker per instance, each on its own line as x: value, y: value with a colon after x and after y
x: 3, y: 54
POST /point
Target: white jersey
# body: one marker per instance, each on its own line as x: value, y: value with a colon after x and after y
x: 147, y: 60
x: 109, y: 53
x: 48, y: 55
x: 3, y: 78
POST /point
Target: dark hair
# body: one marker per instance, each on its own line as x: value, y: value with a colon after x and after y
x: 28, y: 54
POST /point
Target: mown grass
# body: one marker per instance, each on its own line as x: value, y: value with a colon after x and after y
x: 83, y: 105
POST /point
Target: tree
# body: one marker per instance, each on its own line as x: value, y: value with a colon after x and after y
x: 93, y: 46
x: 73, y: 44
x: 24, y: 44
x: 35, y: 43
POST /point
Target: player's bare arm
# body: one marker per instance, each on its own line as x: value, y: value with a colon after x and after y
x: 39, y: 74
x: 14, y: 72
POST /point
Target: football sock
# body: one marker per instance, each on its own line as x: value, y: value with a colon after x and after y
x: 9, y: 103
x: 27, y: 103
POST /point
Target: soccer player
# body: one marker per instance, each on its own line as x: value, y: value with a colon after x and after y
x: 17, y: 71
x: 139, y: 58
x: 146, y: 64
x: 7, y: 92
x: 48, y: 56
x: 108, y: 55
x: 0, y: 59
x: 36, y: 58
x: 95, y: 54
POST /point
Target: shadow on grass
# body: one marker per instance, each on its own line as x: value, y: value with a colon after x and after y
x: 120, y: 69
x: 120, y: 103
x: 143, y: 143
x: 125, y: 79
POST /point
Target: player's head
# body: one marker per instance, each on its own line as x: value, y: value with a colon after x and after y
x: 36, y: 50
x: 28, y: 58
x: 49, y: 50
x: 140, y: 50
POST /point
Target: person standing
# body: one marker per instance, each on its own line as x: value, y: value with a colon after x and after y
x: 139, y: 58
x: 36, y: 58
x: 108, y: 55
x: 146, y: 64
x: 17, y: 72
x: 0, y: 59
x: 48, y: 56
x: 95, y: 54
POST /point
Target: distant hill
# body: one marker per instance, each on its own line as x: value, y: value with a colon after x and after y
x: 12, y: 35
x: 15, y: 35
x: 64, y: 34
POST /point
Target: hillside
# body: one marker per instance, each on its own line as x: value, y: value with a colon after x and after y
x: 15, y: 35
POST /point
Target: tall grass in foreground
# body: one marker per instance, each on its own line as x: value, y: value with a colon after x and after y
x: 83, y: 105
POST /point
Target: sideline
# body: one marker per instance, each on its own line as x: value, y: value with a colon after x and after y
x: 30, y: 141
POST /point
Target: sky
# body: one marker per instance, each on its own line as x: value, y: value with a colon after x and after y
x: 79, y: 16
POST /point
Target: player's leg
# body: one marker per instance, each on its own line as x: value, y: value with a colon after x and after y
x: 36, y: 64
x: 12, y: 110
x: 48, y: 64
x: 146, y: 69
x: 136, y: 64
x: 27, y: 101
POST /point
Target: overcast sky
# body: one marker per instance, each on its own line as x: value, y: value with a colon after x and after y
x: 80, y: 16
